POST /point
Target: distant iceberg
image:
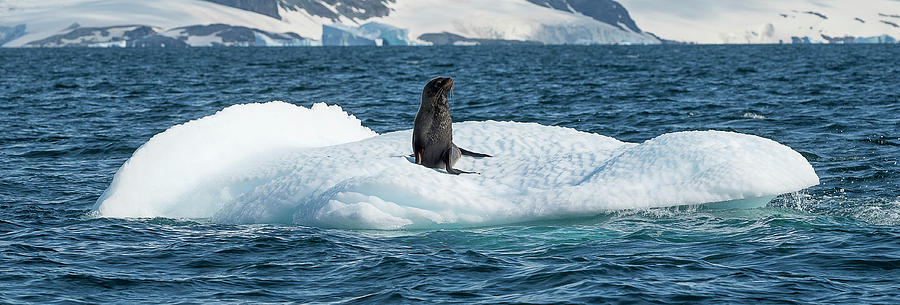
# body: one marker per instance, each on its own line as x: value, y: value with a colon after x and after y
x: 388, y: 35
x: 369, y: 34
x: 876, y: 39
x: 280, y: 163
x: 887, y: 39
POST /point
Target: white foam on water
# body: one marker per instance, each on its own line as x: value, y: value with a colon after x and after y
x: 318, y: 166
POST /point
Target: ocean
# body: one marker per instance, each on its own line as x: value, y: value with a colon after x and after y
x: 72, y: 117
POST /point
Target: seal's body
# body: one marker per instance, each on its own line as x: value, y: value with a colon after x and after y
x: 432, y: 139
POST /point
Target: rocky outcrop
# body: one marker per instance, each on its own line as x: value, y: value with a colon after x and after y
x: 444, y: 39
x: 845, y: 39
x: 8, y: 33
x: 157, y: 41
x: 95, y: 36
x: 356, y: 9
x: 228, y: 35
x: 606, y: 11
x: 817, y: 14
x: 265, y: 7
x: 142, y: 36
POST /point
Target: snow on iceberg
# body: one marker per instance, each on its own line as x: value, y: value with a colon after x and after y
x: 280, y: 163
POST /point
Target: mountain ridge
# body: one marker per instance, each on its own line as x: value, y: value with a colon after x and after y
x: 532, y: 21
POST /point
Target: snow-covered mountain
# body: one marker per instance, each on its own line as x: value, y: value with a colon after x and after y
x: 173, y: 23
x: 770, y: 21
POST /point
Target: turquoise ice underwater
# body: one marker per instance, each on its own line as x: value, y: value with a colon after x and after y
x: 276, y: 162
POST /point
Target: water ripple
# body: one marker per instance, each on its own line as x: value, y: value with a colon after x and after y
x: 73, y: 116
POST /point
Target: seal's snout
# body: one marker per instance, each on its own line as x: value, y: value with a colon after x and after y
x: 442, y: 83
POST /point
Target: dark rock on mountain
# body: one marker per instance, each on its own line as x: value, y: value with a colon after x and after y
x: 139, y: 32
x: 850, y: 39
x: 358, y: 9
x: 157, y: 41
x: 8, y: 33
x: 86, y: 36
x: 845, y: 39
x: 606, y: 11
x: 145, y: 36
x: 820, y: 15
x: 265, y: 7
x: 442, y: 39
x: 232, y: 35
x: 72, y: 26
x: 800, y: 40
x: 228, y: 33
x: 666, y: 41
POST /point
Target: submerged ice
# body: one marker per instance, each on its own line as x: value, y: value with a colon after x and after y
x: 279, y: 163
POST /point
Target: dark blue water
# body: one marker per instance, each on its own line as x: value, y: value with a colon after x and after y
x: 71, y: 117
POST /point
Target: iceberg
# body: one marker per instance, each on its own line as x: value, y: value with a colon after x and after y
x: 876, y: 39
x: 341, y: 35
x: 369, y: 34
x: 388, y: 35
x: 279, y: 163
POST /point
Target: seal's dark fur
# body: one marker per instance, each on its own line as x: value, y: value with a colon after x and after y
x: 432, y: 139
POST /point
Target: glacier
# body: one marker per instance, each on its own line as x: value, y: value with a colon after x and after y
x: 319, y: 166
x: 369, y: 34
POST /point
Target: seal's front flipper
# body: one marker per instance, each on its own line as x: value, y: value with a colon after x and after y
x: 418, y: 156
x: 473, y: 154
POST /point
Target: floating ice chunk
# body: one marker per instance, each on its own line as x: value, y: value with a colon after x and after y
x: 750, y: 115
x: 178, y: 163
x: 279, y: 163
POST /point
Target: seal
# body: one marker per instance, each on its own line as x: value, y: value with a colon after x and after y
x: 432, y: 139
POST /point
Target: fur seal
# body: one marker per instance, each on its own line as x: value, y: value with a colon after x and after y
x: 432, y: 139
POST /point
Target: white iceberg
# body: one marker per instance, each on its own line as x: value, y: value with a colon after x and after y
x: 280, y: 163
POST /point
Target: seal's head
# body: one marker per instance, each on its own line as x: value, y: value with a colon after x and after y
x: 435, y: 92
